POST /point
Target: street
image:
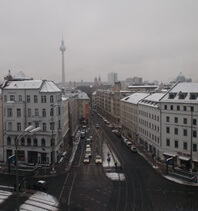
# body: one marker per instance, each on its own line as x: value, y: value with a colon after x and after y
x: 86, y: 186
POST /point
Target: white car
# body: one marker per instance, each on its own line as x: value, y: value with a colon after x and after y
x: 86, y: 159
x: 133, y: 149
x: 128, y: 143
x: 88, y: 151
x: 98, y: 159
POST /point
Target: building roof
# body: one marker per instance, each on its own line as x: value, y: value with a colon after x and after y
x: 43, y: 85
x: 152, y: 100
x: 83, y: 96
x: 182, y: 92
x: 135, y: 97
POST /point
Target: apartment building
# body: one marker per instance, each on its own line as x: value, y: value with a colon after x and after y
x: 149, y: 124
x: 129, y: 114
x: 37, y: 103
x: 1, y: 128
x: 179, y: 124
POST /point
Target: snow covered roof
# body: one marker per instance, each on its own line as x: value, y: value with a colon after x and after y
x: 43, y: 85
x: 83, y: 96
x: 152, y: 100
x: 182, y: 92
x: 135, y: 97
x: 21, y: 76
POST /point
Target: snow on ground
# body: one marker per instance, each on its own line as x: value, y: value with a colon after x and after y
x: 40, y: 201
x: 180, y: 181
x: 4, y: 195
x: 114, y: 158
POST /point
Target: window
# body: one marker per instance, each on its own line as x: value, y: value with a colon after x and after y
x: 52, y: 111
x: 43, y: 142
x: 22, y: 142
x: 18, y: 126
x: 176, y: 131
x: 167, y: 142
x: 185, y: 121
x: 52, y: 142
x: 9, y: 112
x: 185, y: 132
x: 44, y: 112
x: 194, y: 122
x: 167, y: 130
x: 194, y: 134
x: 51, y: 99
x: 35, y: 142
x: 178, y: 108
x: 8, y: 140
x: 12, y: 97
x: 29, y: 112
x: 176, y: 144
x: 191, y: 108
x: 35, y: 99
x: 193, y: 96
x: 18, y: 112
x: 185, y: 146
x: 10, y: 126
x: 43, y: 99
x: 59, y: 124
x: 59, y: 110
x: 36, y: 112
x: 165, y: 107
x: 167, y: 119
x: 36, y: 124
x: 176, y: 119
x: 51, y: 125
x: 28, y: 98
x: 184, y: 108
x: 5, y: 98
x: 44, y: 127
x: 172, y: 95
x: 29, y: 142
x: 182, y: 95
x: 194, y: 147
x: 171, y: 107
x: 20, y: 98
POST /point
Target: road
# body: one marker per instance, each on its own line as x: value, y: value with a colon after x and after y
x: 86, y: 187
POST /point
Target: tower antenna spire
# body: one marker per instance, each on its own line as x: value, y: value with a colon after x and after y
x: 62, y: 49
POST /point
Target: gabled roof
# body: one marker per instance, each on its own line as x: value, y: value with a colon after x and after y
x: 43, y: 85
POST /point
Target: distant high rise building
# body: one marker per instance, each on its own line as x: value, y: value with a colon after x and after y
x: 62, y: 49
x: 112, y: 78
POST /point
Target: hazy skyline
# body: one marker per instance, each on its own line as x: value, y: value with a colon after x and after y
x: 155, y: 39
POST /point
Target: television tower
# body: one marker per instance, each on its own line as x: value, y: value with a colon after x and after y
x: 62, y: 49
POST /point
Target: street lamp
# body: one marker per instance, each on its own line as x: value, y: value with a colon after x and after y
x: 28, y: 130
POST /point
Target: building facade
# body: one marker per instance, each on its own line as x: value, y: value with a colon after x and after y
x: 179, y: 124
x: 37, y: 103
x: 112, y: 78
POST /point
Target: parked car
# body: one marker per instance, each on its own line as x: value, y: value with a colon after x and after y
x: 88, y: 152
x: 98, y: 159
x: 129, y: 143
x: 86, y: 159
x: 97, y: 126
x: 133, y: 149
x: 88, y: 141
x: 82, y: 134
x: 40, y: 185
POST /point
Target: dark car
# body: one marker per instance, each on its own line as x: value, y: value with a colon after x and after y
x: 40, y: 185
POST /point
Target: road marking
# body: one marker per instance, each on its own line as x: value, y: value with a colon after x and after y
x: 92, y: 199
x: 69, y: 197
x: 63, y: 186
x: 98, y: 202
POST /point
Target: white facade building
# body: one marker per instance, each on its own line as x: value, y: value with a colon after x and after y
x: 179, y: 117
x: 149, y: 124
x: 112, y: 78
x: 37, y: 103
x: 129, y: 114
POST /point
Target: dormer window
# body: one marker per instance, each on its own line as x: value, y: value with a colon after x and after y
x: 193, y: 96
x: 182, y: 95
x: 172, y: 95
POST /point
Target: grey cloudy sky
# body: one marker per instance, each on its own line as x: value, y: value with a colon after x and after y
x: 155, y: 39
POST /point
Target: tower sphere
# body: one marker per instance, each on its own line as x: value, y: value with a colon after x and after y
x: 62, y: 48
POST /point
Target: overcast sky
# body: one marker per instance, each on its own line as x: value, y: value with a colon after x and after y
x: 152, y: 39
